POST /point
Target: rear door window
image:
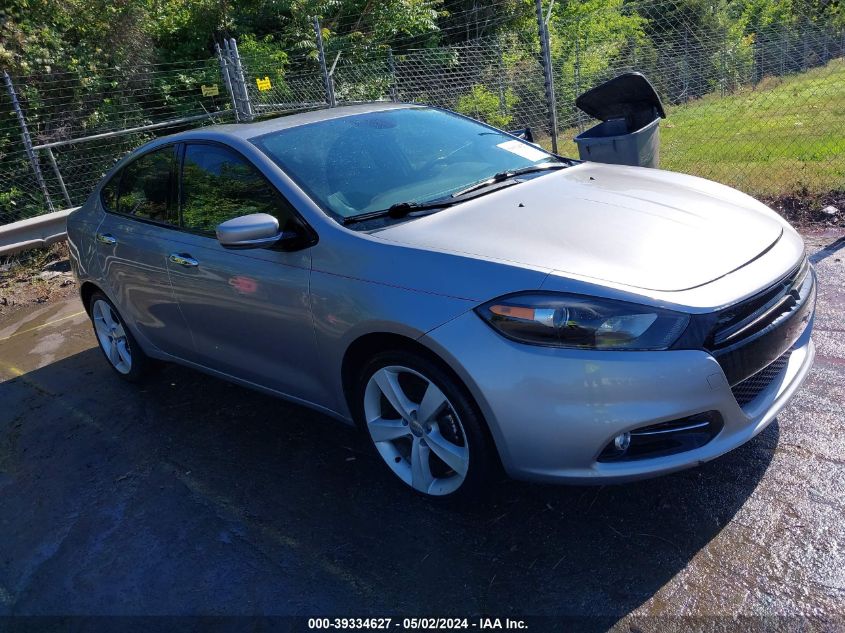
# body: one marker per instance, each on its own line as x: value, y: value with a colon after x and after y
x: 146, y: 188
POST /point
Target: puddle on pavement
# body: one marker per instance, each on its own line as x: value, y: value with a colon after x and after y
x: 34, y: 316
x: 41, y: 335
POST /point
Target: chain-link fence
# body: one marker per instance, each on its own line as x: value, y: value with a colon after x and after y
x: 760, y: 111
x: 60, y: 132
x: 756, y: 107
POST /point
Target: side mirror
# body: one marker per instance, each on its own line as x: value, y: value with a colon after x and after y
x: 257, y: 230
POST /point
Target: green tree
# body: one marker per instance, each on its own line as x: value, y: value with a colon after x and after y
x: 484, y: 105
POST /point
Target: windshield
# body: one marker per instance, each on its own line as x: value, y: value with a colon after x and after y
x: 369, y: 162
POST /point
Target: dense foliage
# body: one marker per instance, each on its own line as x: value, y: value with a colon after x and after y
x: 51, y: 35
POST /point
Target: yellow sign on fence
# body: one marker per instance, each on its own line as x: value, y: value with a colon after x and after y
x: 263, y: 84
x: 210, y: 91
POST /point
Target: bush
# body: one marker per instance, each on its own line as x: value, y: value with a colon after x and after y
x: 483, y: 104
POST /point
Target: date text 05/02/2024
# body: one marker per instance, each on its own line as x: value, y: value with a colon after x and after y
x: 417, y: 624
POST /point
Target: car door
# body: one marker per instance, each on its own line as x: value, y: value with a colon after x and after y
x: 133, y: 242
x: 248, y: 310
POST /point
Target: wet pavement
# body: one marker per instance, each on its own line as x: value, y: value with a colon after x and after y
x: 192, y: 496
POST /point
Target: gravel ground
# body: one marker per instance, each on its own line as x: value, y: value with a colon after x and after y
x: 35, y: 278
x: 190, y: 496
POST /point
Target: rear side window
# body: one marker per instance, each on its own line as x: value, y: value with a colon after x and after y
x: 146, y: 188
x: 218, y: 185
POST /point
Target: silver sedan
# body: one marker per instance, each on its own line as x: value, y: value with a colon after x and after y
x: 472, y: 301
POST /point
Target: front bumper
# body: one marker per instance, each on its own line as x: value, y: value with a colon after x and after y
x: 552, y: 411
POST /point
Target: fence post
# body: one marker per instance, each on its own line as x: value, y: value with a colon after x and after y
x: 391, y: 64
x: 236, y: 95
x: 327, y: 80
x: 784, y: 45
x: 685, y: 78
x: 500, y: 72
x: 240, y: 78
x: 827, y: 56
x: 634, y: 51
x: 227, y: 81
x: 578, y: 70
x: 825, y: 49
x: 805, y: 58
x: 237, y: 88
x: 59, y: 177
x: 547, y: 71
x: 27, y: 141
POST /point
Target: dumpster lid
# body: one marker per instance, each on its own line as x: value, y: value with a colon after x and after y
x: 620, y: 97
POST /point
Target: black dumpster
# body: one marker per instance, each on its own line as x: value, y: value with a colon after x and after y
x: 630, y: 111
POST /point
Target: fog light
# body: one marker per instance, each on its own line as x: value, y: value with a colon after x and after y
x: 622, y: 441
x: 664, y: 438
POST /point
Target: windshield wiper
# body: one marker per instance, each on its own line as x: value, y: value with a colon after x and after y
x: 506, y: 175
x: 403, y: 209
x: 400, y: 210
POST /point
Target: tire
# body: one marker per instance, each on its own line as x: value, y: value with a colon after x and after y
x: 115, y: 341
x: 434, y: 441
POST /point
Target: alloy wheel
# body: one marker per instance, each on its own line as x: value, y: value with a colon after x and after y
x: 416, y: 430
x: 112, y: 336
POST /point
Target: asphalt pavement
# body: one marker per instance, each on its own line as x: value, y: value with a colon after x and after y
x: 191, y: 496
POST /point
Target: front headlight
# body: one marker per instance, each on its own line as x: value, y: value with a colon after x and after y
x: 578, y: 321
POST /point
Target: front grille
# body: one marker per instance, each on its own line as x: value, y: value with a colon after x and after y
x: 751, y: 387
x: 753, y: 335
x: 743, y: 320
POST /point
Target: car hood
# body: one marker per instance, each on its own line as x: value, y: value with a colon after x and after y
x: 642, y: 228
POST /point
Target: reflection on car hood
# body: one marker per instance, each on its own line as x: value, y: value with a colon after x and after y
x: 642, y: 228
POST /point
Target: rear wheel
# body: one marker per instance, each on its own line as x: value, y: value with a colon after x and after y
x: 116, y: 341
x: 424, y: 425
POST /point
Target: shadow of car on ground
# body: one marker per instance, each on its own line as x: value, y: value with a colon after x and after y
x: 190, y: 495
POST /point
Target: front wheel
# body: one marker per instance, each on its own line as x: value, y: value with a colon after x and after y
x: 424, y: 425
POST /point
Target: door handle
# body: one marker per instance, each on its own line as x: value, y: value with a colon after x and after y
x: 105, y: 238
x: 184, y: 260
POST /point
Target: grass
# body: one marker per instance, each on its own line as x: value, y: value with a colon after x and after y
x: 785, y: 135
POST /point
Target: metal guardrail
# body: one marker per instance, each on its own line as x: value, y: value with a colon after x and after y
x: 36, y: 232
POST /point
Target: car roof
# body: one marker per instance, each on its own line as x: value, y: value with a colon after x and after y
x: 284, y: 122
